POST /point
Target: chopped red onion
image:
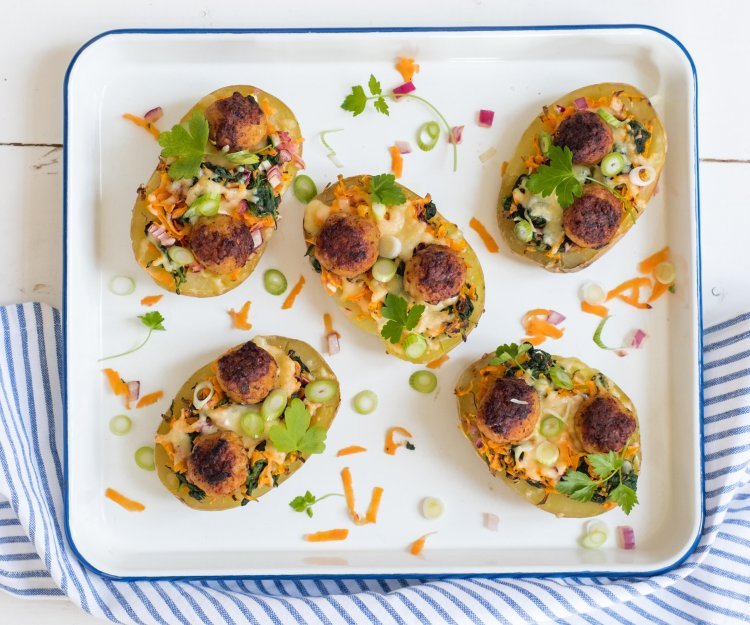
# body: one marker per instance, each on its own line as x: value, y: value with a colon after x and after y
x: 284, y: 136
x: 581, y: 103
x: 407, y: 87
x: 333, y: 344
x: 626, y: 536
x: 134, y: 390
x: 560, y: 108
x: 274, y: 176
x: 555, y: 318
x: 491, y: 521
x: 285, y: 155
x: 257, y: 237
x: 404, y: 147
x: 456, y: 134
x: 160, y: 234
x: 478, y: 443
x: 637, y: 338
x: 486, y: 118
x: 242, y: 207
x: 154, y: 115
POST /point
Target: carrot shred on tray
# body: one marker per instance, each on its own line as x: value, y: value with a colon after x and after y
x: 397, y: 161
x: 540, y: 327
x: 326, y: 535
x: 594, y: 309
x: 146, y: 125
x: 407, y: 68
x: 418, y: 545
x: 633, y: 285
x: 348, y: 451
x: 659, y: 289
x: 118, y: 385
x: 486, y: 237
x: 239, y: 317
x: 150, y: 300
x: 534, y: 340
x: 438, y: 362
x: 647, y: 265
x: 289, y: 301
x: 390, y: 445
x: 372, y: 510
x: 503, y: 168
x: 149, y: 399
x: 119, y: 498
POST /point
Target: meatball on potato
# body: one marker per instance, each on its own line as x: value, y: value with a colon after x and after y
x: 203, y: 454
x: 611, y: 130
x: 377, y: 259
x: 187, y: 251
x: 532, y: 434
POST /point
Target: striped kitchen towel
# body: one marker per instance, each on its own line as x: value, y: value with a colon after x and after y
x: 712, y: 586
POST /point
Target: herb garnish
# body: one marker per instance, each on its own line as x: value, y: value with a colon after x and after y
x: 153, y: 321
x: 385, y: 190
x: 304, y: 503
x: 357, y: 100
x: 580, y: 486
x: 401, y: 317
x: 187, y: 145
x: 295, y: 434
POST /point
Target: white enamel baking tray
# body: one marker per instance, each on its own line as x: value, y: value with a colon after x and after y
x: 512, y: 71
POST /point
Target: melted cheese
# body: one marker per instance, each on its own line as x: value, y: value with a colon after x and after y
x: 286, y: 378
x: 230, y: 196
x: 315, y: 216
x: 401, y: 223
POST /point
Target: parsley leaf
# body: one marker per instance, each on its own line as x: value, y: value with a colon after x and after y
x: 625, y: 497
x: 510, y: 351
x: 374, y: 85
x: 605, y: 465
x: 153, y: 321
x: 356, y: 101
x: 381, y: 106
x: 558, y: 177
x: 186, y: 145
x: 385, y: 190
x: 582, y: 487
x: 400, y: 315
x: 577, y: 485
x: 304, y: 503
x: 295, y: 434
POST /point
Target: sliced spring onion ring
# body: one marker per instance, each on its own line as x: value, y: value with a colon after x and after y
x: 122, y: 285
x: 665, y: 272
x: 432, y: 508
x: 199, y: 400
x: 415, y: 345
x: 547, y: 453
x: 180, y: 255
x: 383, y: 270
x: 524, y: 231
x: 582, y: 173
x: 612, y: 164
x: 144, y: 458
x: 560, y: 378
x: 428, y: 135
x: 389, y: 246
x: 545, y: 141
x: 550, y: 426
x: 274, y: 404
x: 593, y: 293
x: 120, y: 425
x: 274, y: 281
x: 365, y: 402
x: 596, y: 535
x: 251, y: 424
x: 423, y: 381
x: 304, y: 188
x: 206, y: 205
x: 598, y: 334
x: 609, y: 118
x: 322, y: 391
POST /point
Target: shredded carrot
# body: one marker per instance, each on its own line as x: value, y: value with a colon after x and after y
x: 634, y: 284
x: 239, y: 317
x: 352, y: 449
x: 535, y: 312
x: 118, y: 385
x: 539, y: 327
x: 503, y: 168
x: 266, y: 107
x: 397, y: 161
x: 289, y: 301
x: 149, y: 399
x: 407, y: 68
x: 634, y: 301
x: 594, y: 309
x: 486, y: 237
x: 659, y: 289
x: 146, y: 125
x: 647, y: 265
x: 319, y: 537
x: 150, y: 300
x: 121, y: 499
x: 390, y: 445
x: 534, y: 340
x: 416, y: 547
x: 328, y: 323
x: 438, y: 362
x: 372, y: 510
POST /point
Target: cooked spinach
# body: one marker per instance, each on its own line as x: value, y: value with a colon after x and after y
x: 464, y: 308
x: 430, y: 210
x: 296, y: 358
x: 194, y: 491
x: 539, y: 362
x: 640, y: 135
x: 313, y: 261
x: 267, y: 201
x: 507, y: 203
x: 253, y: 475
x: 179, y: 278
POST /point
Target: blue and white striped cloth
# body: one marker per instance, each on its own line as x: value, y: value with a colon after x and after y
x: 36, y: 561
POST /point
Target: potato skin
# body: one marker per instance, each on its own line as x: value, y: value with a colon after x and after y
x: 577, y: 259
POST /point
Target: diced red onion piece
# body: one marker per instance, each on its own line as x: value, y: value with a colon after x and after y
x: 242, y: 207
x: 407, y: 87
x: 404, y: 147
x: 486, y: 118
x: 274, y: 176
x: 333, y: 344
x: 637, y: 338
x: 560, y: 108
x: 478, y: 443
x: 160, y: 234
x: 491, y: 521
x: 621, y: 353
x: 555, y: 318
x: 134, y: 390
x: 154, y: 115
x: 257, y: 237
x: 456, y: 135
x: 581, y: 103
x: 627, y: 537
x: 284, y: 136
x: 285, y: 155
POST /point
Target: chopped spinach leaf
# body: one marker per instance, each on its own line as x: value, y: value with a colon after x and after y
x: 296, y: 358
x: 640, y: 135
x: 196, y: 493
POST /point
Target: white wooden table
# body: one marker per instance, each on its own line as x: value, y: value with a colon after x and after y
x: 41, y: 36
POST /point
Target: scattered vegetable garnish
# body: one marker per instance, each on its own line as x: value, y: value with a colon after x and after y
x: 418, y: 545
x: 357, y: 100
x: 541, y: 324
x: 629, y: 292
x: 289, y: 301
x: 486, y: 237
x: 154, y: 115
x: 372, y: 510
x: 296, y: 434
x: 149, y: 399
x: 428, y: 135
x: 143, y: 123
x: 456, y: 135
x: 150, y: 300
x: 122, y: 285
x: 348, y: 451
x: 322, y: 391
x: 647, y: 265
x: 186, y: 145
x: 318, y: 537
x: 365, y: 402
x: 491, y: 521
x: 596, y: 535
x: 120, y: 425
x: 407, y: 68
x: 118, y: 385
x: 626, y: 537
x: 598, y: 335
x: 331, y: 152
x: 593, y: 293
x: 594, y: 309
x: 153, y: 321
x: 304, y: 188
x: 487, y: 154
x: 390, y: 445
x: 239, y: 317
x: 332, y: 336
x: 128, y: 504
x: 438, y: 362
x: 400, y: 317
x: 144, y: 458
x: 397, y: 161
x: 304, y: 503
x: 403, y: 146
x: 486, y: 118
x: 580, y: 486
x: 274, y: 281
x: 371, y: 516
x: 385, y: 190
x: 403, y: 89
x: 423, y: 381
x: 432, y: 508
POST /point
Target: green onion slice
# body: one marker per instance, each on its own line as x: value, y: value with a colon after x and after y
x: 428, y: 135
x: 612, y: 164
x: 545, y: 141
x: 383, y: 270
x: 550, y: 426
x: 144, y: 458
x: 243, y: 157
x: 180, y: 255
x: 665, y: 272
x: 274, y: 281
x: 120, y: 425
x: 423, y: 381
x: 432, y: 508
x: 274, y: 404
x: 524, y: 231
x: 547, y: 453
x: 251, y: 424
x: 322, y: 391
x: 609, y: 118
x: 596, y: 535
x: 122, y: 285
x: 560, y: 378
x: 598, y: 334
x: 415, y: 345
x: 304, y: 188
x: 206, y: 205
x: 365, y: 402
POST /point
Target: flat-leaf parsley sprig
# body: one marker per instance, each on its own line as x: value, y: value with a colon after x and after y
x: 153, y: 321
x: 295, y: 433
x: 304, y: 503
x: 357, y: 100
x: 401, y: 317
x: 186, y: 145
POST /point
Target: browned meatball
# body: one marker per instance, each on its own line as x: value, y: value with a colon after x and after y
x: 221, y: 244
x: 237, y: 122
x: 347, y: 244
x: 218, y: 463
x: 587, y: 135
x: 247, y: 373
x: 593, y: 219
x: 434, y: 273
x: 603, y: 424
x: 506, y: 421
